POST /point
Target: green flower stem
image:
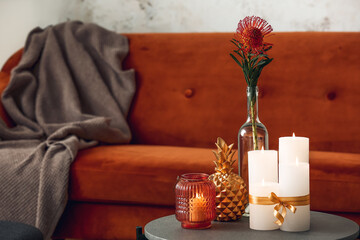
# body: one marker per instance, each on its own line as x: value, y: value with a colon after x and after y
x: 252, y: 64
x: 253, y: 122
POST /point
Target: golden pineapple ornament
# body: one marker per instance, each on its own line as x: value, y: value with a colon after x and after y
x: 231, y: 193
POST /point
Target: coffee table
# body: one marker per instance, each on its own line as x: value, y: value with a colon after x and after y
x: 322, y: 226
x: 16, y: 230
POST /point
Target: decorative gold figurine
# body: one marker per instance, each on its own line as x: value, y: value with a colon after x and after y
x: 231, y: 193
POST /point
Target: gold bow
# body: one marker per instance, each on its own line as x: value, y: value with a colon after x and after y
x: 281, y: 203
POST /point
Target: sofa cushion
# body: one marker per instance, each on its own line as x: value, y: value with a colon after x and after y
x: 140, y: 174
x: 134, y: 173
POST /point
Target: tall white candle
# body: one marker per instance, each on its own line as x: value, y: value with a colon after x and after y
x: 294, y: 182
x: 292, y: 147
x: 263, y: 179
x: 262, y: 216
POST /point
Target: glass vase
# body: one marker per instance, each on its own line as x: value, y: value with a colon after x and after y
x: 195, y: 201
x: 250, y: 130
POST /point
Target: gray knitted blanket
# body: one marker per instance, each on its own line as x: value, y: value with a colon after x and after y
x: 68, y: 92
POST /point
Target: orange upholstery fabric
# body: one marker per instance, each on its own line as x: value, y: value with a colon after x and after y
x: 124, y: 174
x: 4, y: 79
x: 335, y: 182
x: 189, y: 91
x: 128, y: 173
x: 311, y: 88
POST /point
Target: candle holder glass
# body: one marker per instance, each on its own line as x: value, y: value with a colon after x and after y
x: 195, y: 201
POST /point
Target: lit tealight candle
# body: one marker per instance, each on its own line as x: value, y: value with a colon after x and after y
x: 197, y: 209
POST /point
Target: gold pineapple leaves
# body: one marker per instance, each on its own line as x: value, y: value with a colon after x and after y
x: 224, y: 156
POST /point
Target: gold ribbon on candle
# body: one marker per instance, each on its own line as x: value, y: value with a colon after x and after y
x: 281, y: 203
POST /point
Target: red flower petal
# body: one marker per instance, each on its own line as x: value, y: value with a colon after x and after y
x: 251, y: 32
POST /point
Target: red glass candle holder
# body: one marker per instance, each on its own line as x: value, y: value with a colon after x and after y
x: 195, y: 201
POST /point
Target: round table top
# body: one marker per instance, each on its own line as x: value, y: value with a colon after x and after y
x: 322, y: 226
x: 15, y: 230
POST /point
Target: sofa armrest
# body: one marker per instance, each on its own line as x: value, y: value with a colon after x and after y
x: 12, y: 61
x: 5, y: 73
x: 4, y: 80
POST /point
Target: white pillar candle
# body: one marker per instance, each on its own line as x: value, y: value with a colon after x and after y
x: 263, y: 164
x: 262, y: 216
x: 294, y: 182
x: 294, y: 179
x: 291, y: 147
x: 263, y: 179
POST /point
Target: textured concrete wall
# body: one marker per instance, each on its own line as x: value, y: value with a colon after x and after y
x: 18, y: 17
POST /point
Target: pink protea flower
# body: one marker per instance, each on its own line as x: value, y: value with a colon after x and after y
x: 251, y: 32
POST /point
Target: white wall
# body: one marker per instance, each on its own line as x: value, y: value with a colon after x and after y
x: 18, y: 17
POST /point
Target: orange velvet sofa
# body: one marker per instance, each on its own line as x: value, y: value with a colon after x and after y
x: 189, y: 92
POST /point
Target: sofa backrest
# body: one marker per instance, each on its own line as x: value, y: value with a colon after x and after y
x: 190, y: 91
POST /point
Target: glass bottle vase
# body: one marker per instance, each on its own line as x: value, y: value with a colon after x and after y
x: 250, y: 130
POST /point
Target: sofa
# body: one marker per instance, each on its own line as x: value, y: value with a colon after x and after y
x: 189, y: 92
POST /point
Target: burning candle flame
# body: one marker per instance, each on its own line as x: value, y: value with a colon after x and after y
x: 293, y: 134
x: 262, y: 149
x: 199, y: 195
x: 297, y: 161
x: 263, y: 182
